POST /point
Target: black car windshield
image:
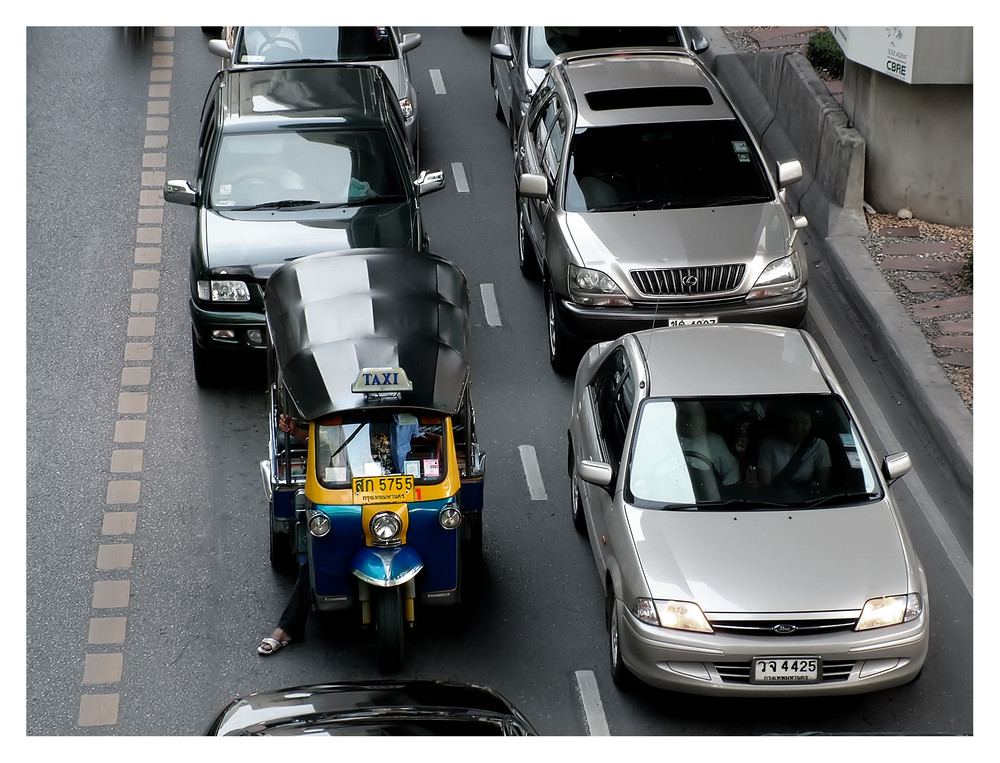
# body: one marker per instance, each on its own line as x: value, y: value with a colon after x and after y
x: 545, y: 42
x: 268, y: 45
x: 664, y: 166
x: 321, y: 167
x: 799, y: 451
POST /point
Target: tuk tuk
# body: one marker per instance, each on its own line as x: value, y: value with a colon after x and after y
x: 384, y: 498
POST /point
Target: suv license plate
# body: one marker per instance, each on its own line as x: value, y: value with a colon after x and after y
x: 785, y: 670
x: 707, y: 320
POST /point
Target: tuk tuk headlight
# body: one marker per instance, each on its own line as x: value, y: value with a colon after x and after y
x: 450, y: 517
x: 319, y: 524
x: 386, y: 527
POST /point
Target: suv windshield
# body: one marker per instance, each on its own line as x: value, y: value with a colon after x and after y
x: 378, y: 443
x: 788, y: 451
x: 321, y: 167
x: 662, y: 166
x: 546, y: 42
x: 260, y: 44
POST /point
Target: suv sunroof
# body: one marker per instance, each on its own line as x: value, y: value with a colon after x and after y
x: 648, y: 97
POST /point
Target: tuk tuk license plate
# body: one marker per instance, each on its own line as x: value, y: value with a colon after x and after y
x: 396, y: 488
x: 785, y: 670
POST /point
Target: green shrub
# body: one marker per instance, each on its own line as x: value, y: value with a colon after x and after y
x: 823, y: 52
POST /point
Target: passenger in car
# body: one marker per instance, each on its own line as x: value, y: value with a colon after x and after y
x: 793, y: 456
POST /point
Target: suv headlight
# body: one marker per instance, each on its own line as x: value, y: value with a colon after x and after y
x: 223, y: 291
x: 592, y: 287
x: 782, y: 276
x: 407, y: 106
x: 889, y: 610
x: 678, y: 615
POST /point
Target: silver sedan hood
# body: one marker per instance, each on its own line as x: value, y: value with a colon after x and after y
x: 771, y: 561
x: 681, y: 237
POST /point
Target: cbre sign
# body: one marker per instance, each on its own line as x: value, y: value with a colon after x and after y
x: 915, y: 55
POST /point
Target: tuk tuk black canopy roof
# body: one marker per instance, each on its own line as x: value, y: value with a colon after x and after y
x: 330, y: 315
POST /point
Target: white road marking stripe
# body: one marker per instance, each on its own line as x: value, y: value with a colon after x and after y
x: 438, y: 82
x: 461, y: 183
x: 536, y: 488
x: 490, y: 304
x: 593, y: 708
x: 912, y: 482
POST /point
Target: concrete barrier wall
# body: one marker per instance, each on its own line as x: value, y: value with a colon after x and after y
x: 794, y: 117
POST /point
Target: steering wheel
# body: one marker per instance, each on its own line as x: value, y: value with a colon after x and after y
x: 702, y: 467
x: 284, y: 42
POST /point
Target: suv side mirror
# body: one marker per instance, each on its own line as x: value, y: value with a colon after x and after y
x: 179, y: 192
x: 220, y: 48
x: 789, y: 172
x: 409, y: 42
x: 428, y: 182
x: 533, y: 186
x: 895, y: 465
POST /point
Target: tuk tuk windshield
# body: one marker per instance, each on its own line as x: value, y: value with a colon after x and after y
x: 377, y: 443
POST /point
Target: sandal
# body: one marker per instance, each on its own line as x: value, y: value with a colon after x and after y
x: 271, y: 645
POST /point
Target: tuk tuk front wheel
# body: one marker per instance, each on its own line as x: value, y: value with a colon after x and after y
x: 389, y: 628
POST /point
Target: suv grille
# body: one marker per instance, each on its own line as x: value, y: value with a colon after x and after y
x: 688, y: 281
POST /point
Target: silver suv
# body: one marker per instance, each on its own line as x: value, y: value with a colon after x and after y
x: 643, y: 200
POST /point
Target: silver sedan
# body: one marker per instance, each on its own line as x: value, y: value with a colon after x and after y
x: 747, y: 543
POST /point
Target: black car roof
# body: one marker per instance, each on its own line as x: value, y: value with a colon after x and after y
x: 331, y: 315
x: 338, y: 94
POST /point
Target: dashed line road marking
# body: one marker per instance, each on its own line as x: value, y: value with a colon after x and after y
x: 438, y: 82
x: 536, y: 487
x: 490, y: 304
x: 593, y: 708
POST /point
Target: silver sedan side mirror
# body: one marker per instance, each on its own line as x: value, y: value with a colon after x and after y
x: 179, y: 192
x: 895, y: 465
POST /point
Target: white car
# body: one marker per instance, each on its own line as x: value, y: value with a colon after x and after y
x: 383, y: 46
x: 747, y: 543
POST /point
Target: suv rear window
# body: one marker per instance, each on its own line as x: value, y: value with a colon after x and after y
x: 664, y: 166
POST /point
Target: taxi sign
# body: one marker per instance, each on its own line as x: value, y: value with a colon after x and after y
x: 382, y: 379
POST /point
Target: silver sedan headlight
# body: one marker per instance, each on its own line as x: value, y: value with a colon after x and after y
x: 889, y: 610
x: 782, y: 276
x: 386, y: 527
x: 223, y: 291
x: 592, y: 287
x: 678, y: 615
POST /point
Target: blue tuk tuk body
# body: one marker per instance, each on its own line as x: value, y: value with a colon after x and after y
x: 384, y: 499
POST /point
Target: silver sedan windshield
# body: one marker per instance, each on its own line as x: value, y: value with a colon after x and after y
x: 791, y: 451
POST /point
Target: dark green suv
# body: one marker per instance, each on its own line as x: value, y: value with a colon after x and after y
x: 292, y: 161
